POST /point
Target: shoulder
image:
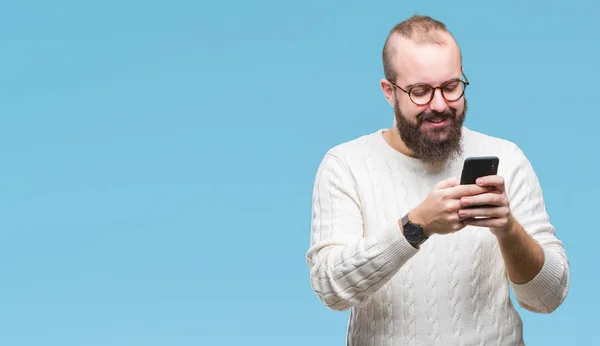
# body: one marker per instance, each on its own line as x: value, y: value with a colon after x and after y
x: 345, y: 162
x: 354, y: 149
x: 513, y: 160
x: 479, y: 143
x: 474, y: 138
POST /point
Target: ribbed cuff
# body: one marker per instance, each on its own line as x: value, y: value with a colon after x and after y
x: 545, y: 288
x: 394, y: 246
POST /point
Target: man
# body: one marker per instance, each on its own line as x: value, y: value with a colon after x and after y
x: 392, y: 236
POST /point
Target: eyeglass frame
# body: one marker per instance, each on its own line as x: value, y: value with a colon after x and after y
x: 465, y: 84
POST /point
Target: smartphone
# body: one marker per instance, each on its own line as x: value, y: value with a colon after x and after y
x: 478, y: 166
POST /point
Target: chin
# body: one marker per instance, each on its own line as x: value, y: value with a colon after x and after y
x: 438, y: 135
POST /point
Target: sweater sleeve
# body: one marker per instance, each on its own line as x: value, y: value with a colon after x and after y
x: 346, y: 267
x: 548, y: 289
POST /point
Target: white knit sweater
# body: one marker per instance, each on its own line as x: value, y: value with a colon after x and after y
x: 452, y: 291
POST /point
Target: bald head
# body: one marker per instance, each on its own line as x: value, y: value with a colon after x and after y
x: 417, y: 30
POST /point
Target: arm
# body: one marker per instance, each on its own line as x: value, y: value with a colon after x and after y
x: 536, y: 261
x: 346, y: 267
x: 523, y: 256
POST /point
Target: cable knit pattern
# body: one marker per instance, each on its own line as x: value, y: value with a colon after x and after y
x: 454, y: 289
x: 431, y: 295
x: 409, y: 305
x: 497, y: 271
x: 388, y: 314
x: 476, y: 258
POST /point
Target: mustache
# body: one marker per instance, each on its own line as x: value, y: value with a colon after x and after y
x: 429, y: 115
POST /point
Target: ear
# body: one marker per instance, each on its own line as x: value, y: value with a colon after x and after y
x: 388, y: 91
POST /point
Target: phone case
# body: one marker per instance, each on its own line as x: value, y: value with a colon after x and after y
x: 475, y: 167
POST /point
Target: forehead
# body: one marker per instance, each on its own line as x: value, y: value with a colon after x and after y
x: 426, y: 63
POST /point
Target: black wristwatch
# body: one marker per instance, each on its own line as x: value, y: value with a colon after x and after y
x: 413, y: 232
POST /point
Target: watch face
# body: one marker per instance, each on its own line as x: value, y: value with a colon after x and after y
x: 413, y: 233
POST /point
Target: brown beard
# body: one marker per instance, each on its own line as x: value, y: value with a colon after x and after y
x: 427, y: 145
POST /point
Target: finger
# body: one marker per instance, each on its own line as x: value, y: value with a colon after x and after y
x: 495, y: 181
x: 493, y: 198
x: 446, y: 183
x: 465, y: 214
x: 467, y: 190
x: 457, y: 226
x: 492, y: 222
x: 452, y: 206
x: 489, y: 212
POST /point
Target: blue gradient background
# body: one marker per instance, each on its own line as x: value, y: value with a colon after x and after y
x: 157, y: 158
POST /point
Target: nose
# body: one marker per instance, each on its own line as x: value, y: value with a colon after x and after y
x: 438, y: 103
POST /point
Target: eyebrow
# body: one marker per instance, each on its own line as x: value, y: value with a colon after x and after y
x: 417, y: 84
x: 414, y: 85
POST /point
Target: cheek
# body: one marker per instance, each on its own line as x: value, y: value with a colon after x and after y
x: 411, y: 111
x: 458, y: 105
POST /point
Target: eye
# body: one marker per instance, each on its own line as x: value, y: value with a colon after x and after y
x: 451, y: 86
x: 420, y: 90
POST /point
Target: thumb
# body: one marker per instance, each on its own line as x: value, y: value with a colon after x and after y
x: 447, y: 183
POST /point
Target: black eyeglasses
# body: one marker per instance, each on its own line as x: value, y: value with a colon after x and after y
x: 422, y: 94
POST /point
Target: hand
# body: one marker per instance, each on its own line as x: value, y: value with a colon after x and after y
x: 438, y: 213
x: 497, y: 215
